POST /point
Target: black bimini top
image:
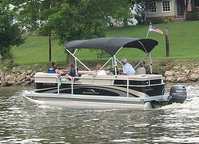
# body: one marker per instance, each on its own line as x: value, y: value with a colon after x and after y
x: 112, y: 44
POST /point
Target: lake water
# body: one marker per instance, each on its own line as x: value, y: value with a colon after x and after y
x: 24, y: 123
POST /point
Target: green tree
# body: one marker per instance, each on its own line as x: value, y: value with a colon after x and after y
x: 10, y: 33
x: 139, y: 8
x: 87, y: 18
x: 71, y: 19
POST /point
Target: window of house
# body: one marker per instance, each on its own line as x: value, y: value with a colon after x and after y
x: 151, y: 6
x: 196, y: 2
x: 166, y: 6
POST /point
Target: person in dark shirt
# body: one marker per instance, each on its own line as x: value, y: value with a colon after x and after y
x: 52, y: 68
x: 72, y: 72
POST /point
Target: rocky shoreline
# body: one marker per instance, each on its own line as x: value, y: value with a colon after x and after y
x: 182, y: 73
x: 173, y: 73
x: 19, y: 75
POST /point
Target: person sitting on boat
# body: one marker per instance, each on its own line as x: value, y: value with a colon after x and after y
x: 73, y: 71
x: 127, y: 68
x: 52, y: 68
x: 141, y: 69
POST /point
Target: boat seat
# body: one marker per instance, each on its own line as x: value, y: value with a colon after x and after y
x: 41, y: 77
x: 140, y: 70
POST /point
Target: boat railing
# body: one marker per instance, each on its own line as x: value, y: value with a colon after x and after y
x: 101, y: 81
x: 72, y: 81
x: 110, y: 80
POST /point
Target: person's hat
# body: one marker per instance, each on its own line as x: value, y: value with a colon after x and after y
x: 124, y: 60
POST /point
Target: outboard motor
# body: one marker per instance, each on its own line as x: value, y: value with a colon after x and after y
x: 178, y: 94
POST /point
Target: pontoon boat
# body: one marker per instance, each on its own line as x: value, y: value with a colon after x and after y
x: 110, y: 90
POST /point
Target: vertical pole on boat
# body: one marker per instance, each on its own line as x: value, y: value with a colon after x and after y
x: 58, y: 88
x: 115, y: 64
x: 72, y: 82
x: 150, y: 65
x: 58, y: 84
x: 76, y: 67
x: 127, y: 87
x: 75, y: 61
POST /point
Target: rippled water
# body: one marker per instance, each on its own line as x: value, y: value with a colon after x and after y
x: 23, y: 122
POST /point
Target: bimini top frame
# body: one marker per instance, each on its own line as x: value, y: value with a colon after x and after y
x: 111, y: 45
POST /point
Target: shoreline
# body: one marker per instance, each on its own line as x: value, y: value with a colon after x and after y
x: 174, y: 72
x: 19, y: 75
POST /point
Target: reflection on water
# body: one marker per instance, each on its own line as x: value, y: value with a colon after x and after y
x: 23, y: 122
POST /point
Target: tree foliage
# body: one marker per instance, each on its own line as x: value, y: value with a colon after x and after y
x: 139, y: 8
x: 71, y: 19
x: 10, y: 33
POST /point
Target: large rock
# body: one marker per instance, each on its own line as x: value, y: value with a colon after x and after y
x: 169, y: 73
x: 22, y: 76
x: 194, y: 77
x: 29, y: 72
x: 9, y: 77
x: 170, y: 79
x: 28, y: 78
x: 182, y: 79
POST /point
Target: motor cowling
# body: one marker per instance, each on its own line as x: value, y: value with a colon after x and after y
x: 178, y: 94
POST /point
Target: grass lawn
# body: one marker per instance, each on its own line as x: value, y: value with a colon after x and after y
x: 183, y: 36
x: 35, y: 50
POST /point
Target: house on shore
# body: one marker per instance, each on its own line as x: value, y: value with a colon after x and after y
x: 171, y: 9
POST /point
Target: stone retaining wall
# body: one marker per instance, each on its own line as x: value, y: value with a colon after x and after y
x: 182, y: 73
x: 19, y: 75
x: 175, y: 73
x: 16, y: 78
